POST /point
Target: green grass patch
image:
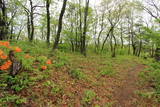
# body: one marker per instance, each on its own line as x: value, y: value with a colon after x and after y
x: 77, y: 74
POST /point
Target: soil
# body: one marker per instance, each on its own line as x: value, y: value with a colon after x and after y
x: 125, y: 95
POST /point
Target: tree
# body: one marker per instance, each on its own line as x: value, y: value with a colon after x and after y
x: 55, y: 46
x: 3, y: 20
x: 83, y: 51
x: 48, y: 20
x: 153, y: 9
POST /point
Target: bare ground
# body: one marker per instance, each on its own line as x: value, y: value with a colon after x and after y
x: 125, y: 95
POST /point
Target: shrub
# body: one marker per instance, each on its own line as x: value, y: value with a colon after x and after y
x: 55, y: 89
x: 108, y: 72
x: 7, y: 98
x: 89, y: 96
x: 61, y: 60
x: 19, y: 82
x: 153, y: 77
x: 78, y: 74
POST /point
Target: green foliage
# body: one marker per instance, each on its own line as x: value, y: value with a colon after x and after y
x: 97, y: 106
x: 18, y: 83
x: 55, y: 89
x: 41, y: 59
x: 152, y: 34
x: 89, y: 96
x: 35, y: 48
x: 147, y: 95
x: 109, y: 104
x: 61, y: 59
x: 108, y: 72
x: 26, y: 62
x: 78, y: 74
x: 7, y: 98
x: 152, y: 77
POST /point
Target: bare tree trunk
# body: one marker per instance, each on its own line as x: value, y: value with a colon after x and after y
x: 80, y: 27
x: 55, y: 46
x: 3, y: 20
x: 48, y: 20
x: 77, y: 39
x: 113, y: 46
x: 102, y: 28
x: 32, y: 21
x: 108, y: 34
x: 122, y: 44
x: 11, y: 35
x: 28, y: 26
x: 129, y: 37
x: 85, y: 28
x: 152, y: 50
x: 140, y: 48
x: 21, y: 28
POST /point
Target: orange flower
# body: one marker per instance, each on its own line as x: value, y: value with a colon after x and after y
x: 17, y: 49
x: 6, y: 43
x: 4, y: 56
x: 1, y: 52
x: 9, y: 62
x: 49, y: 61
x: 43, y: 67
x: 6, y: 65
x: 3, y: 43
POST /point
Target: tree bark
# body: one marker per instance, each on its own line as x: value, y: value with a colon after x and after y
x: 85, y: 28
x: 48, y: 21
x: 80, y: 27
x: 122, y: 42
x: 32, y: 21
x: 55, y: 46
x: 3, y: 20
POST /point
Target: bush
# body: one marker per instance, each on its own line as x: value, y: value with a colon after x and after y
x: 108, y: 72
x: 7, y: 98
x: 61, y: 59
x: 89, y: 96
x: 19, y: 82
x: 78, y: 74
x: 55, y: 89
x: 153, y: 77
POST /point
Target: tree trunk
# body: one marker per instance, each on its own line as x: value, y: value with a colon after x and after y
x: 106, y: 38
x: 55, y: 46
x: 122, y: 44
x: 113, y: 45
x: 80, y: 27
x: 85, y: 28
x: 32, y: 21
x: 157, y: 54
x: 48, y: 21
x: 28, y: 26
x: 3, y: 20
x: 140, y: 48
x: 102, y: 28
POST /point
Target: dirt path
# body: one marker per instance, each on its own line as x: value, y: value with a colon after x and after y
x: 125, y: 94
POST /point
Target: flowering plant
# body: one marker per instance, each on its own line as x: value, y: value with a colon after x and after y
x: 5, y: 62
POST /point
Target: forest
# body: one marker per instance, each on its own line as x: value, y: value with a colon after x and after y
x: 79, y: 53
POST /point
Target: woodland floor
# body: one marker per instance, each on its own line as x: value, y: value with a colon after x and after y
x: 115, y: 90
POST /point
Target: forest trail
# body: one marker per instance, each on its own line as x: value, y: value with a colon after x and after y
x: 122, y: 86
x: 125, y: 95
